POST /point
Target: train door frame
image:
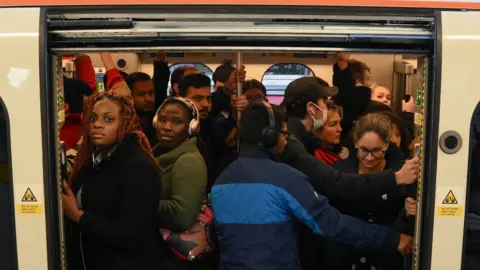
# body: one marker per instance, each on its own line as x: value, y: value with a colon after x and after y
x: 47, y: 250
x: 243, y: 48
x: 10, y: 196
x: 448, y: 220
x: 25, y: 85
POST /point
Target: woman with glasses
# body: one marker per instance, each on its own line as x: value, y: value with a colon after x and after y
x: 372, y: 136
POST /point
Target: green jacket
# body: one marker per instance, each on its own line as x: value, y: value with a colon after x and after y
x: 184, y: 181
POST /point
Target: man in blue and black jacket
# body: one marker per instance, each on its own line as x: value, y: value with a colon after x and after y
x: 257, y: 200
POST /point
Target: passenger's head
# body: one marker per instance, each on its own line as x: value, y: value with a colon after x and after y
x: 376, y: 107
x: 196, y: 87
x: 107, y: 120
x: 177, y: 76
x: 305, y: 99
x: 143, y: 95
x: 381, y: 94
x: 322, y: 82
x: 173, y: 122
x: 330, y: 132
x: 399, y: 136
x: 363, y: 99
x: 361, y: 72
x: 372, y: 135
x: 222, y: 73
x: 264, y: 124
x: 254, y: 90
x: 75, y: 93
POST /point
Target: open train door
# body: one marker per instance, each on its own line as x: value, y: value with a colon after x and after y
x: 451, y: 108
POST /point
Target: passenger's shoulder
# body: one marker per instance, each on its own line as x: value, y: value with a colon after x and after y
x: 287, y: 171
x: 345, y: 165
x: 192, y: 158
x: 135, y: 157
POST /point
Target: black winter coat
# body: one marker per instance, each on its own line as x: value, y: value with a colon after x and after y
x: 382, y: 210
x: 120, y: 197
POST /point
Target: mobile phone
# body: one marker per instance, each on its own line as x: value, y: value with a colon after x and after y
x: 63, y: 165
x: 407, y: 98
x: 416, y: 150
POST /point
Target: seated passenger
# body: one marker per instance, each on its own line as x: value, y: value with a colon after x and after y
x: 330, y: 133
x: 184, y: 173
x: 115, y: 191
x: 256, y: 200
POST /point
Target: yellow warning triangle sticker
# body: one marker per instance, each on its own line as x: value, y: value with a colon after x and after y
x: 450, y: 199
x: 29, y: 197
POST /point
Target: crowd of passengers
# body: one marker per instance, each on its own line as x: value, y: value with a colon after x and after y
x: 326, y: 180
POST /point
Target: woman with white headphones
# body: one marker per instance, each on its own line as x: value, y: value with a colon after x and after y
x: 184, y: 177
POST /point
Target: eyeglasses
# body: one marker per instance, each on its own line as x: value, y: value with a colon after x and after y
x: 286, y: 134
x: 363, y: 152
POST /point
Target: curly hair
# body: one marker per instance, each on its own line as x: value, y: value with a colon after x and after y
x: 130, y: 125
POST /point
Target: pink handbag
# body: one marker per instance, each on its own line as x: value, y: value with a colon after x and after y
x: 196, y: 241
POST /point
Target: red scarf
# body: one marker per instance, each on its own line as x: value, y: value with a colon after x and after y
x: 326, y: 156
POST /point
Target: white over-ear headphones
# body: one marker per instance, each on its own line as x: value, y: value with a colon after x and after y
x: 194, y: 126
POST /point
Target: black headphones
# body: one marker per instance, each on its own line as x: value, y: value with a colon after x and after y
x: 269, y: 134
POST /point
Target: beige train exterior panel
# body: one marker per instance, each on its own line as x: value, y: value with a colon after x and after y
x: 459, y: 97
x: 20, y: 91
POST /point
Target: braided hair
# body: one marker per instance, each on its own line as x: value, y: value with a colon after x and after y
x: 130, y: 125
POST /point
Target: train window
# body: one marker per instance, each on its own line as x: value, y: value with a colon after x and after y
x: 201, y: 67
x: 278, y: 76
x: 6, y: 198
x: 471, y: 257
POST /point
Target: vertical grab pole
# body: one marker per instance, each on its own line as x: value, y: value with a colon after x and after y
x: 239, y: 93
x: 60, y: 101
x: 419, y: 131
